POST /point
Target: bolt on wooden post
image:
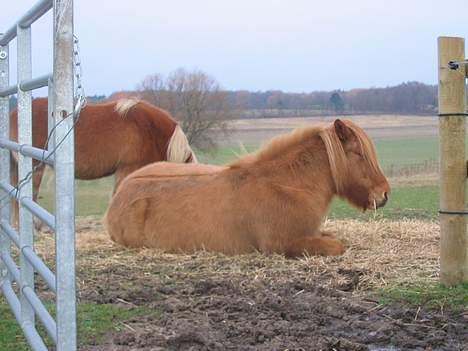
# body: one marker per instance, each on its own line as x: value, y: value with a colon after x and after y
x: 453, y: 171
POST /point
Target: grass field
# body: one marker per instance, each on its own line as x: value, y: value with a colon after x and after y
x: 93, y: 320
x: 391, y: 151
x: 412, y: 201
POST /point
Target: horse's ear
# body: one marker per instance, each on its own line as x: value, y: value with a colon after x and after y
x: 342, y: 130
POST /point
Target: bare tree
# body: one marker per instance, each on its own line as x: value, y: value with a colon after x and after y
x: 195, y: 99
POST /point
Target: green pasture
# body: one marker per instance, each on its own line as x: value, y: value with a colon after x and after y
x: 392, y: 152
x: 94, y: 322
x: 406, y: 151
x: 406, y: 201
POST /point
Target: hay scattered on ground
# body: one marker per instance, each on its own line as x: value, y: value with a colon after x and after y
x: 379, y: 253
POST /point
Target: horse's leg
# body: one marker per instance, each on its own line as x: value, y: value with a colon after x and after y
x: 37, y: 179
x: 324, y: 245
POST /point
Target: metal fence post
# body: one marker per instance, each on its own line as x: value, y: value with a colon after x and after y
x: 4, y: 158
x: 25, y: 168
x: 65, y: 174
x: 61, y: 331
x: 50, y: 115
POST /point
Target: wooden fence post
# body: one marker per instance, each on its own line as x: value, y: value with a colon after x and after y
x: 453, y: 171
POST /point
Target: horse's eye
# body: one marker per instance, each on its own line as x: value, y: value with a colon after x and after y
x: 356, y: 153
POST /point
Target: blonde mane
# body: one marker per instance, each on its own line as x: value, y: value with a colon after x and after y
x: 336, y: 158
x: 178, y: 148
x: 122, y: 106
x: 279, y: 145
x: 338, y: 161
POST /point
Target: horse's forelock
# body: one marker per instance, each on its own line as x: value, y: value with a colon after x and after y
x: 178, y: 149
x: 336, y: 158
x: 367, y: 148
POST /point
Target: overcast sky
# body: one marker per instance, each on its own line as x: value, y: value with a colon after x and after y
x: 291, y: 45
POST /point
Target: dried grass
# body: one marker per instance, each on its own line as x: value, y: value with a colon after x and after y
x: 379, y: 253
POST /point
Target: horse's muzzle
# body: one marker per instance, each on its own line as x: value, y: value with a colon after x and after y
x: 382, y: 201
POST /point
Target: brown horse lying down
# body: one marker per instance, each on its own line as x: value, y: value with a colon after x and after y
x: 111, y: 138
x: 270, y: 201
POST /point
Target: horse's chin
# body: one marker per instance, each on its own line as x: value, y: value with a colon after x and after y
x: 373, y: 204
x: 363, y: 206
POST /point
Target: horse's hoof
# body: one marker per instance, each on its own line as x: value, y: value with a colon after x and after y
x: 335, y: 248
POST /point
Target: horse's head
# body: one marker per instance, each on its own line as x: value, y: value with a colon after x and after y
x: 355, y: 169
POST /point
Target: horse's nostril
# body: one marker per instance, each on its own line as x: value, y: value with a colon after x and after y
x: 385, y: 195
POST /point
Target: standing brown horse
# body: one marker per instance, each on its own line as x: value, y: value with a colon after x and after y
x: 111, y: 138
x: 270, y: 201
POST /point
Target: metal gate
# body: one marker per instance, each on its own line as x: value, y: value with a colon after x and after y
x: 18, y: 283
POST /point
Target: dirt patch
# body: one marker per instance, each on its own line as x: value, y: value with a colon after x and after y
x: 254, y: 302
x: 219, y: 315
x: 378, y: 126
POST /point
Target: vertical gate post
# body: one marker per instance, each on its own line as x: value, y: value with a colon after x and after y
x: 453, y: 171
x: 24, y: 49
x: 4, y: 157
x: 64, y: 174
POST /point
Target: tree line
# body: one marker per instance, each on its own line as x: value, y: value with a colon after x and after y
x: 203, y: 107
x: 405, y: 98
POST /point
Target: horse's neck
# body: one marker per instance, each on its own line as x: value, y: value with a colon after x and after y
x: 307, y: 169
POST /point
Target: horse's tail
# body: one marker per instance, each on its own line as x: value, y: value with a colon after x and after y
x: 178, y: 149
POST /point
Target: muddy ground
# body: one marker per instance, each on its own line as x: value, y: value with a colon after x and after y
x: 207, y: 301
x: 218, y: 314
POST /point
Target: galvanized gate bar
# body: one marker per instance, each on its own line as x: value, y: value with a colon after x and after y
x: 31, y: 84
x: 38, y: 154
x: 44, y: 315
x: 61, y: 105
x: 11, y: 265
x: 35, y: 13
x: 29, y: 151
x: 11, y: 232
x: 39, y: 212
x: 5, y: 243
x: 28, y: 18
x: 30, y: 332
x: 30, y: 255
x: 65, y: 174
x: 35, y: 83
x: 50, y: 117
x: 12, y: 299
x: 9, y: 91
x: 24, y: 48
x: 41, y: 268
x: 30, y: 205
x: 8, y: 189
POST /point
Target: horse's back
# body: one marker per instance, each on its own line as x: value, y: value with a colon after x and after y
x: 175, y: 207
x: 171, y: 169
